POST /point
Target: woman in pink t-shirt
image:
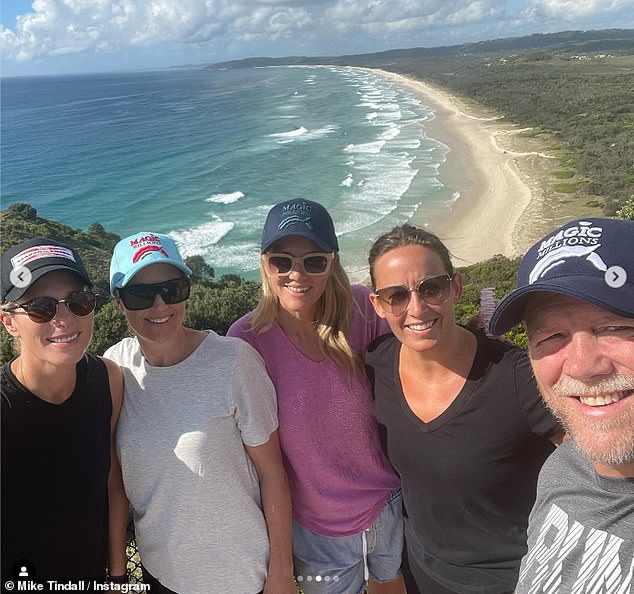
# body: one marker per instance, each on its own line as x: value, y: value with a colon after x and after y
x: 312, y: 328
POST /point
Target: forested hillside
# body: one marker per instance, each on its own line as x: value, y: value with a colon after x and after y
x: 576, y: 85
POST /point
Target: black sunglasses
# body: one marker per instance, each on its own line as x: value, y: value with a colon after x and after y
x: 43, y: 309
x: 314, y: 264
x: 137, y: 297
x: 433, y: 290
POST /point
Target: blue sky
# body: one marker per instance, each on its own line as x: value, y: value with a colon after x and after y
x: 71, y: 36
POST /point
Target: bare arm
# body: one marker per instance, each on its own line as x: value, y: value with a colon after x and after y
x: 276, y: 501
x: 118, y: 505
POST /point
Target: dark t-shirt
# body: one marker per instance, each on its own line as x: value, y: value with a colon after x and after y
x: 55, y: 465
x: 468, y: 476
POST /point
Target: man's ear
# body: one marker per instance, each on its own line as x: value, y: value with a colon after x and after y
x: 374, y: 300
x: 8, y: 321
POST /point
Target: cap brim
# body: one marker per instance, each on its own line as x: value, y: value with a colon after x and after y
x: 510, y: 311
x: 17, y: 292
x: 304, y: 234
x: 119, y: 281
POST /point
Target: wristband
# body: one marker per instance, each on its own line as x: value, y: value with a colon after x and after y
x: 118, y: 579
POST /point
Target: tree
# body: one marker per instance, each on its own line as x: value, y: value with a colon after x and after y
x: 97, y: 229
x: 22, y: 210
x: 217, y: 308
x: 110, y: 327
x: 201, y: 271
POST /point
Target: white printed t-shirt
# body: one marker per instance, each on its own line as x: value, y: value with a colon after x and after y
x: 581, y: 529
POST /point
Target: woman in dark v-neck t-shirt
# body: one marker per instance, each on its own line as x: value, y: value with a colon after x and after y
x: 462, y: 423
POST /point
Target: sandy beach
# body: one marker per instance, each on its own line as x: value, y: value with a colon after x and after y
x: 495, y: 213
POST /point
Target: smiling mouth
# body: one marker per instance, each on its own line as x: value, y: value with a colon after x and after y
x: 159, y: 320
x: 604, y: 399
x: 421, y: 326
x: 64, y: 339
x: 297, y: 290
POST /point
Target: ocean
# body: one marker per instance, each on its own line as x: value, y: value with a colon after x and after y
x: 203, y: 154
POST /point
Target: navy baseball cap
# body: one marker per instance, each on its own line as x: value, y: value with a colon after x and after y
x: 26, y: 262
x: 589, y: 259
x: 300, y: 218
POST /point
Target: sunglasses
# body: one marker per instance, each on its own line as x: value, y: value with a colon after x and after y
x: 314, y: 264
x: 43, y: 309
x: 433, y: 291
x: 136, y: 297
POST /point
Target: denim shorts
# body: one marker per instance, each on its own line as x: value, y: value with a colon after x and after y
x: 343, y: 564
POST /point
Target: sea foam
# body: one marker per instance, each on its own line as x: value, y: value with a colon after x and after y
x: 290, y: 133
x: 199, y: 239
x: 212, y: 151
x: 229, y: 198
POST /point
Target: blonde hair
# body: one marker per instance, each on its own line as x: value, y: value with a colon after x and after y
x: 334, y: 316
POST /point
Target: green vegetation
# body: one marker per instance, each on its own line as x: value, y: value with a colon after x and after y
x: 20, y: 222
x: 585, y: 103
x: 576, y: 86
x: 213, y: 304
x: 568, y: 188
x: 627, y: 211
x: 563, y: 174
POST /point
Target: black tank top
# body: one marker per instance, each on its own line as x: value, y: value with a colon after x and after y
x: 55, y: 464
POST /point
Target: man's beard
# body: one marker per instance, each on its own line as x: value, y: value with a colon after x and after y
x: 605, y: 441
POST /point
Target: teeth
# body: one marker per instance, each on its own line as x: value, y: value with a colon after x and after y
x: 65, y: 339
x: 601, y: 400
x: 420, y: 327
x: 159, y: 320
x: 296, y: 289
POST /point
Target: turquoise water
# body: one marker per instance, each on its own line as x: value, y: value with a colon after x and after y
x: 203, y: 154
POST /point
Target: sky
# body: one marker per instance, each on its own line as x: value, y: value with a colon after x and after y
x: 82, y: 36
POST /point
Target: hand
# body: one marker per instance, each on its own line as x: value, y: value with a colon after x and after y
x: 280, y: 585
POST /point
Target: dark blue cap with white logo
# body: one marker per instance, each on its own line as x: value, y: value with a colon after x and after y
x: 589, y: 259
x: 300, y: 218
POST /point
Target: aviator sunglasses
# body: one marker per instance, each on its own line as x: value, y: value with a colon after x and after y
x: 43, y: 309
x: 433, y: 290
x: 314, y: 264
x: 137, y: 297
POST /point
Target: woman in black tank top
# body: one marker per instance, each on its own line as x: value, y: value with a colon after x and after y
x: 63, y: 504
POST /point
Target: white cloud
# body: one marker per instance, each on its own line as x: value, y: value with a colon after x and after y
x: 571, y: 10
x: 280, y: 27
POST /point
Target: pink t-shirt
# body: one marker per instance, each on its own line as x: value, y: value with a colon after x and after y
x: 338, y: 474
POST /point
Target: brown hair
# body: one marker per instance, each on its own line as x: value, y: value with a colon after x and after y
x: 407, y: 234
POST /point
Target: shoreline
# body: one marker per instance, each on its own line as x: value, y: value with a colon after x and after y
x: 495, y: 190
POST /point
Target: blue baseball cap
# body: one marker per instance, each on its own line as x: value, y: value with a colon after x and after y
x: 300, y: 218
x: 589, y: 259
x: 138, y: 251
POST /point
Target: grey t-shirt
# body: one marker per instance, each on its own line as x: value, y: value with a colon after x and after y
x: 581, y: 530
x: 194, y: 491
